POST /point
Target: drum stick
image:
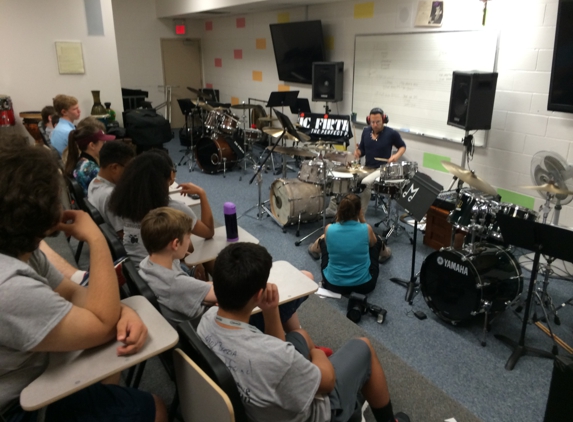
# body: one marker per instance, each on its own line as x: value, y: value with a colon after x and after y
x: 380, y: 159
x: 560, y: 342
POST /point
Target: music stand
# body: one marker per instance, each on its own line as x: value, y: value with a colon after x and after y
x: 417, y: 197
x: 553, y: 241
x: 282, y: 99
x: 302, y: 106
x: 187, y: 106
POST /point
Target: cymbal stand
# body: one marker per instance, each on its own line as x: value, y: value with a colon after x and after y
x: 543, y: 297
x: 248, y: 151
x: 262, y: 210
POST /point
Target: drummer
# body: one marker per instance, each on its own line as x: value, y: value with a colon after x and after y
x: 377, y: 142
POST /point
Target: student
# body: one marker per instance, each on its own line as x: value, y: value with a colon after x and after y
x: 166, y: 234
x: 113, y: 158
x: 49, y: 121
x: 69, y: 111
x: 350, y: 250
x: 43, y: 311
x: 283, y: 377
x: 82, y: 162
x: 143, y: 187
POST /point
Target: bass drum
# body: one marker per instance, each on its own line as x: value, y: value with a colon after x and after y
x: 457, y: 284
x: 213, y: 154
x: 291, y: 198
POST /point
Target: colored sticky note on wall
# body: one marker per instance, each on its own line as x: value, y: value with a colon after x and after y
x: 283, y: 17
x: 364, y: 10
x: 284, y: 87
x: 329, y: 43
x: 241, y: 22
x: 261, y: 43
x: 218, y: 62
x: 434, y: 161
x: 235, y: 100
x: 238, y: 54
x: 517, y: 198
x: 210, y: 86
x: 209, y: 26
x: 257, y: 75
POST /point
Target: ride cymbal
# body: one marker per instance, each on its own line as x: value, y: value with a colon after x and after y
x: 469, y: 177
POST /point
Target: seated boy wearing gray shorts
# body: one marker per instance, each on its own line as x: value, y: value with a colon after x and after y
x: 284, y: 377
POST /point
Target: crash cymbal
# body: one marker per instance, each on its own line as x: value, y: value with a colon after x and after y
x: 354, y: 170
x: 549, y: 188
x: 203, y: 105
x: 299, y: 152
x: 267, y: 119
x: 243, y: 106
x: 193, y: 90
x: 303, y: 136
x: 275, y: 132
x: 380, y: 159
x: 469, y: 177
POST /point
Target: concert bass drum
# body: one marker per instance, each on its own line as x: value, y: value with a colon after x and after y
x: 213, y: 154
x: 458, y: 284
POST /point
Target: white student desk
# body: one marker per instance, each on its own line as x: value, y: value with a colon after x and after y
x: 176, y: 196
x: 69, y: 372
x: 206, y: 250
x: 291, y: 283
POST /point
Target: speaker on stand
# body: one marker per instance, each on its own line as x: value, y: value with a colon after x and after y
x: 327, y: 82
x: 471, y: 100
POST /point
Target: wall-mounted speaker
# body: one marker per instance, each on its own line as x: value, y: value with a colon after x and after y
x: 327, y: 79
x: 471, y: 100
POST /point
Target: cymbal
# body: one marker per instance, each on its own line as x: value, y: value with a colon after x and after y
x: 299, y: 152
x: 243, y: 106
x: 469, y: 177
x: 354, y: 170
x: 276, y: 132
x: 549, y: 188
x: 267, y: 119
x: 203, y: 105
x: 205, y: 95
x: 380, y: 159
x: 193, y: 90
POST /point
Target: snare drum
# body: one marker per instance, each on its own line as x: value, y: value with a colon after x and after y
x: 214, y: 154
x: 388, y: 187
x: 400, y: 170
x: 342, y: 183
x: 314, y: 171
x: 253, y: 135
x: 291, y: 198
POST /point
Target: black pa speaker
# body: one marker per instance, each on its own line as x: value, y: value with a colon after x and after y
x: 559, y: 404
x: 327, y: 80
x: 471, y: 100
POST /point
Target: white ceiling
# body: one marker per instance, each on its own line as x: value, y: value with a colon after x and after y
x: 196, y: 9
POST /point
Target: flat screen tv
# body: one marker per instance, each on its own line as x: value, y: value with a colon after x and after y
x: 561, y: 83
x: 297, y: 45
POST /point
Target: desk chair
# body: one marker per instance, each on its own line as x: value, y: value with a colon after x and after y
x: 77, y: 202
x: 93, y: 212
x: 192, y: 345
x: 201, y: 399
x: 138, y: 286
x: 115, y: 246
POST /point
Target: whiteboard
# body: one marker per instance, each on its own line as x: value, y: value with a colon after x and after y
x: 410, y: 77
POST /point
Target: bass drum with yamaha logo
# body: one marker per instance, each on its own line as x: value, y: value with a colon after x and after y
x: 458, y: 284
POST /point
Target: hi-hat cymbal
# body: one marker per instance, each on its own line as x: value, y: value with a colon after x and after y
x: 469, y: 177
x: 243, y: 106
x: 549, y: 188
x: 354, y: 170
x: 380, y: 159
x: 299, y: 152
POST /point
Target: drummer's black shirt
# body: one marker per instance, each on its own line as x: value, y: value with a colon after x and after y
x: 382, y: 148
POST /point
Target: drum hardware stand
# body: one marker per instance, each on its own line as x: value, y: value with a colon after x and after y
x: 261, y: 204
x: 394, y: 226
x: 467, y: 155
x: 538, y: 237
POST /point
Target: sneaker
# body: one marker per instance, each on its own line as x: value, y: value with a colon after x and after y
x: 314, y: 250
x: 401, y: 417
x: 385, y: 254
x: 327, y: 350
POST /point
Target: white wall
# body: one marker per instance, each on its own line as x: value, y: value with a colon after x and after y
x: 29, y: 66
x: 139, y: 34
x: 521, y: 124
